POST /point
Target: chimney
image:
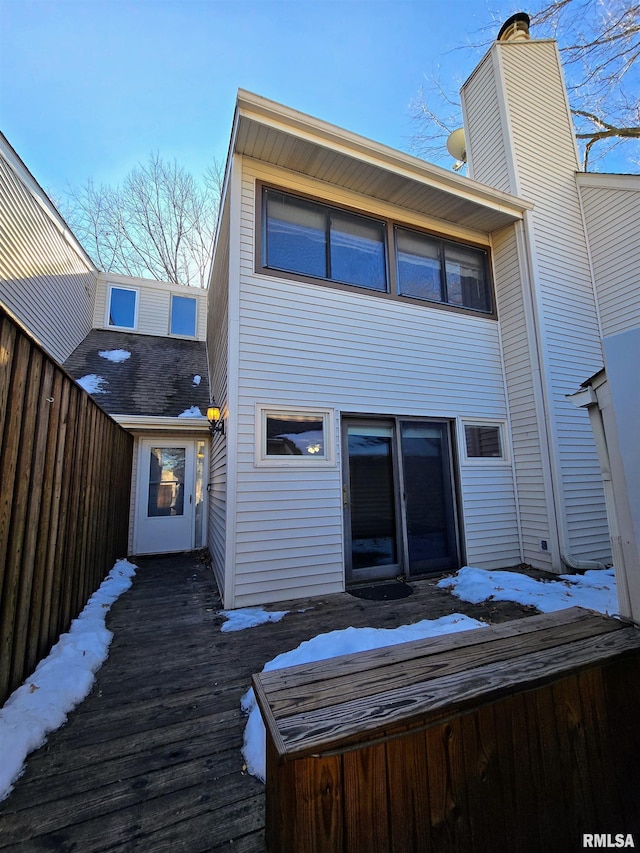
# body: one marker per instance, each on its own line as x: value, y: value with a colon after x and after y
x: 516, y: 28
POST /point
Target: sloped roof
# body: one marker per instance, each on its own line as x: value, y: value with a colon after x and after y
x: 157, y: 379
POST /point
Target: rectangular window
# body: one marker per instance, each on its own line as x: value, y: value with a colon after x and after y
x: 183, y: 315
x: 442, y: 271
x: 314, y: 239
x: 292, y: 436
x: 123, y: 307
x: 483, y: 441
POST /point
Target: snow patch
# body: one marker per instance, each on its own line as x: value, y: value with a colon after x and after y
x: 197, y: 379
x: 595, y: 590
x: 93, y: 384
x: 60, y: 681
x: 249, y: 617
x: 115, y: 355
x: 345, y: 642
x: 191, y: 412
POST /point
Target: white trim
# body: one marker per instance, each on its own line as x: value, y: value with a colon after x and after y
x: 233, y: 371
x: 146, y: 423
x: 483, y: 461
x: 136, y: 290
x: 271, y: 114
x: 263, y: 460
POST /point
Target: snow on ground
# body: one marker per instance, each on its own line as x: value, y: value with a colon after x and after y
x: 345, y: 642
x: 115, y: 355
x: 93, y: 384
x: 197, y: 379
x: 191, y: 412
x: 595, y: 589
x: 60, y: 681
x: 249, y: 617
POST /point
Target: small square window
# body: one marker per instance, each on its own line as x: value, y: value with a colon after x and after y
x: 123, y: 307
x: 483, y: 441
x: 291, y: 437
x: 183, y: 316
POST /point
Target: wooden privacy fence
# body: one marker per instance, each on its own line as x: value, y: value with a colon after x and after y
x: 519, y: 737
x: 65, y: 472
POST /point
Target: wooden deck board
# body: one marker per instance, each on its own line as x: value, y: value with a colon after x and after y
x: 151, y: 760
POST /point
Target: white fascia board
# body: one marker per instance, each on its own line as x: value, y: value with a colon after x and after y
x: 144, y: 423
x: 287, y: 120
x: 602, y: 180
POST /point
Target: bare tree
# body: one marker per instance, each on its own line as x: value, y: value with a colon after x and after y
x: 600, y: 44
x: 159, y: 222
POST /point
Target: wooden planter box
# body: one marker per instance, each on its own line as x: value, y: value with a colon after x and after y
x: 521, y: 736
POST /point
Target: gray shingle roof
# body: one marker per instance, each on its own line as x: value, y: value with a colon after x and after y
x: 157, y: 378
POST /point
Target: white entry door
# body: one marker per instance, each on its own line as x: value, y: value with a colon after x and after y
x: 166, y: 497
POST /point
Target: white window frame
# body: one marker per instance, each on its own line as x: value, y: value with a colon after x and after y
x: 195, y: 319
x: 483, y: 460
x: 113, y: 286
x: 327, y: 415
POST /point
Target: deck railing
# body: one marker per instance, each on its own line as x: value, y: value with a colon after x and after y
x: 65, y: 472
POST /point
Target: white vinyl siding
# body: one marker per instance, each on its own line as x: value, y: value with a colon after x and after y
x: 485, y: 138
x: 542, y: 160
x: 45, y: 279
x: 218, y: 352
x: 305, y: 344
x: 154, y: 304
x: 612, y: 216
x: 523, y: 404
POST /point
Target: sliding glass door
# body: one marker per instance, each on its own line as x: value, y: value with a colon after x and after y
x: 398, y: 498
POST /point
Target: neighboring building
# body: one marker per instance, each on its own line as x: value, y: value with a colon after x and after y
x: 46, y: 278
x: 138, y: 346
x: 611, y: 206
x: 393, y: 345
x: 145, y: 363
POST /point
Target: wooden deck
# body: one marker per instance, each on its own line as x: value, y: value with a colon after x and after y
x: 151, y: 760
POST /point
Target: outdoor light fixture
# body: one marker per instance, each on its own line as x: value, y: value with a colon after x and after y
x: 216, y: 421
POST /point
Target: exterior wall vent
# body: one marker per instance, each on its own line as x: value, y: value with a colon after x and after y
x: 516, y: 28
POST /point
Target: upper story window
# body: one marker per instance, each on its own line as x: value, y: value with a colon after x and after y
x: 183, y: 315
x: 442, y: 271
x: 304, y: 239
x: 316, y: 240
x: 122, y: 307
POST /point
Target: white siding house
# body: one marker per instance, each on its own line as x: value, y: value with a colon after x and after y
x: 407, y: 376
x: 380, y: 422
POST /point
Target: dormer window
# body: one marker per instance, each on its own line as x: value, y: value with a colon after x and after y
x: 122, y: 307
x: 183, y: 316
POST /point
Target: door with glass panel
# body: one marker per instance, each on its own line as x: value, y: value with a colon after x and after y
x: 398, y: 498
x: 170, y: 496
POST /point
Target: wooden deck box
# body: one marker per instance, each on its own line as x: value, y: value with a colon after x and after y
x: 521, y: 736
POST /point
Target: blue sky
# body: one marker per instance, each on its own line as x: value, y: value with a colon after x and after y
x: 88, y: 88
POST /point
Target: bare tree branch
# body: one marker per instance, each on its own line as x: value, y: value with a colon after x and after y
x: 600, y: 45
x: 159, y: 222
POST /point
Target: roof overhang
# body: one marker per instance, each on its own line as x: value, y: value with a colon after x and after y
x: 150, y: 423
x: 275, y: 134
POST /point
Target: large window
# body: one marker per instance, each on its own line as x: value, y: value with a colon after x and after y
x: 442, y: 271
x: 183, y: 315
x: 313, y: 239
x: 305, y: 239
x: 122, y: 307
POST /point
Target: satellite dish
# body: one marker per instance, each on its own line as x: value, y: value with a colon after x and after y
x: 457, y: 145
